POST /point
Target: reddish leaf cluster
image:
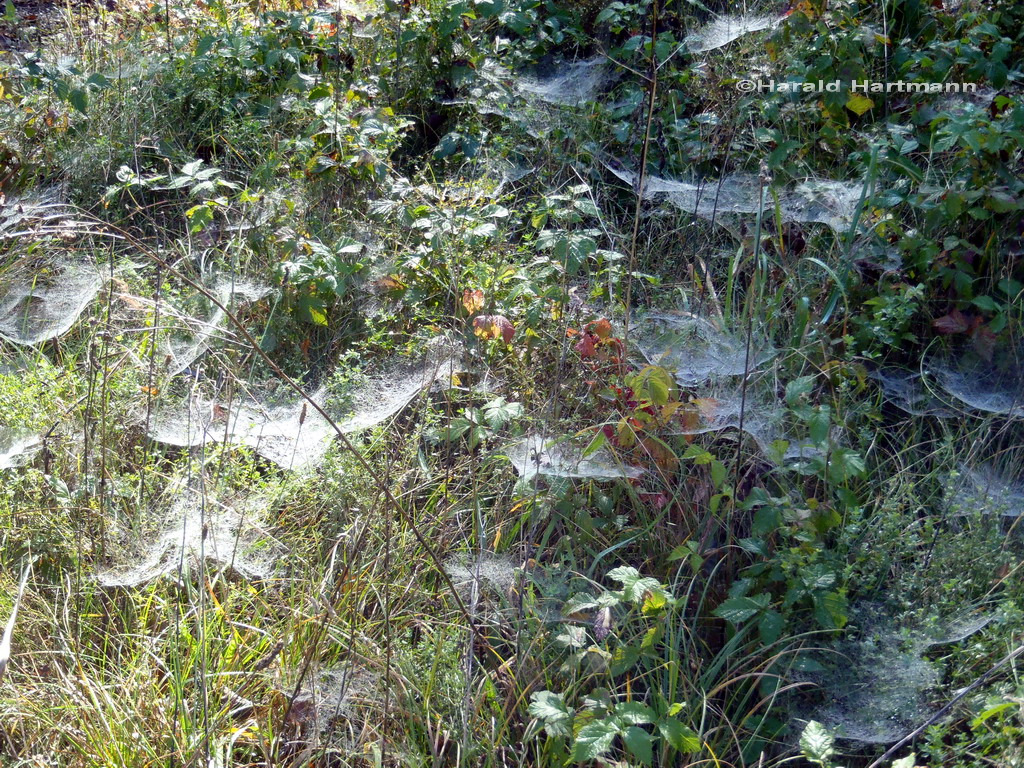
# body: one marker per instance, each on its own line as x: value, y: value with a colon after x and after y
x: 982, y: 337
x: 473, y: 301
x: 597, y: 345
x: 494, y: 327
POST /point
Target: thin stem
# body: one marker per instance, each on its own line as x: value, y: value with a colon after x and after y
x: 652, y: 92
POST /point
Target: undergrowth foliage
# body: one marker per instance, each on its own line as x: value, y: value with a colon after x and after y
x: 499, y: 383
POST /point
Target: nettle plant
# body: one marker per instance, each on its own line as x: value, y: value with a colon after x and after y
x: 615, y: 636
x: 795, y: 573
x: 198, y: 181
x: 349, y: 138
x: 449, y: 244
x: 539, y: 26
x: 317, y: 275
x: 256, y: 69
x: 478, y: 425
x: 567, y: 244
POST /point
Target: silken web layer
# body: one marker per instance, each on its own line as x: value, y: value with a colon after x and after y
x: 875, y: 683
x: 191, y: 527
x: 287, y: 429
x: 40, y: 302
x: 959, y: 382
x: 725, y: 29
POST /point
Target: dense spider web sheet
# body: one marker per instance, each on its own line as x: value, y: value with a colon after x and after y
x: 286, y: 429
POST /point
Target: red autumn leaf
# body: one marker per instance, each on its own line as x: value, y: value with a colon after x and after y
x: 473, y: 301
x: 689, y: 415
x: 387, y: 283
x: 954, y: 322
x: 657, y: 500
x: 585, y: 346
x: 494, y: 327
x: 984, y: 340
x: 659, y: 452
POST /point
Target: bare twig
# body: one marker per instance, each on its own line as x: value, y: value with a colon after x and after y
x: 652, y: 93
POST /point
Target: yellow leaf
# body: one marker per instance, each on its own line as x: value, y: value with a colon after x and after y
x: 625, y: 435
x: 858, y: 103
x: 812, y: 9
x: 473, y: 301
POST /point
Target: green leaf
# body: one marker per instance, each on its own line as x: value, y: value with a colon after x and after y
x: 739, y: 609
x: 594, y: 740
x: 595, y: 445
x: 191, y: 168
x: 830, y: 610
x: 499, y: 413
x: 816, y: 743
x: 550, y: 708
x: 490, y: 8
x: 697, y: 453
x: 477, y: 435
x: 79, y: 99
x: 570, y: 248
x: 991, y: 712
x: 986, y: 304
x: 777, y: 451
x: 905, y: 762
x: 456, y: 429
x: 579, y: 603
x: 638, y: 742
x: 718, y: 473
x: 798, y: 389
x: 819, y: 424
x: 634, y: 713
x: 655, y: 383
x: 634, y: 586
x: 678, y: 736
x: 770, y: 626
x: 845, y: 464
x: 97, y: 80
x: 199, y: 217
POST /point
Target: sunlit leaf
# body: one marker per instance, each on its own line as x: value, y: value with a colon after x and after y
x: 594, y: 740
x: 601, y: 328
x: 494, y: 327
x: 816, y: 743
x: 858, y: 103
x: 678, y: 736
x: 473, y: 301
x: 550, y: 708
